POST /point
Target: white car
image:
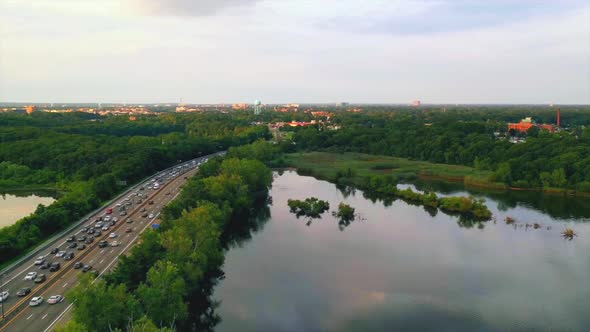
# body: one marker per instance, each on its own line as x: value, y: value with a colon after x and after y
x: 40, y: 260
x: 60, y: 254
x: 151, y: 215
x: 3, y: 296
x: 31, y: 276
x: 53, y: 299
x: 105, y: 228
x: 114, y: 244
x: 112, y: 235
x: 37, y: 300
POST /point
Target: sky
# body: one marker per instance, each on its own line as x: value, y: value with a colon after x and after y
x: 302, y: 51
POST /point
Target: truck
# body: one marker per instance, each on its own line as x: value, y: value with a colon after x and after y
x: 109, y: 210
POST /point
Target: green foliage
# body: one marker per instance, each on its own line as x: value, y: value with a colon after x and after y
x: 345, y: 212
x: 87, y: 159
x: 466, y: 205
x: 310, y: 207
x: 171, y: 264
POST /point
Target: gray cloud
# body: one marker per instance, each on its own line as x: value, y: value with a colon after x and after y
x: 185, y: 7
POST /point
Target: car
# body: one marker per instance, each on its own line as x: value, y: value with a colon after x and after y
x: 23, y: 292
x: 54, y: 266
x: 142, y: 188
x: 98, y: 224
x: 128, y: 203
x: 118, y: 205
x: 114, y: 244
x: 45, y: 265
x: 89, y: 240
x: 94, y: 272
x: 69, y: 256
x: 78, y: 265
x: 3, y: 296
x: 151, y: 215
x: 82, y: 238
x: 40, y: 278
x: 53, y: 299
x: 139, y: 201
x: 144, y: 215
x: 107, y: 218
x: 103, y: 244
x: 36, y: 301
x: 128, y: 230
x: 60, y: 254
x: 151, y: 202
x: 90, y: 231
x: 129, y: 220
x: 84, y: 229
x: 168, y: 193
x: 54, y: 251
x: 86, y: 268
x: 112, y: 235
x: 97, y: 233
x: 114, y: 220
x: 73, y: 245
x: 39, y: 260
x: 123, y: 213
x: 82, y: 247
x: 31, y: 276
x: 71, y: 239
x: 142, y: 209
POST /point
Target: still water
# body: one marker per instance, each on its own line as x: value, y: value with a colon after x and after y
x: 402, y: 268
x: 14, y: 206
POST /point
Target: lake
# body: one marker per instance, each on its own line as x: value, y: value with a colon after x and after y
x: 16, y: 205
x: 402, y: 268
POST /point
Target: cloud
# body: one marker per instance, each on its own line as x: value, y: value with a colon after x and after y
x: 184, y: 7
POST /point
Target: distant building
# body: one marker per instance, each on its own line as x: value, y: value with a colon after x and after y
x: 342, y: 104
x: 30, y: 109
x: 237, y: 107
x: 416, y: 103
x: 527, y: 123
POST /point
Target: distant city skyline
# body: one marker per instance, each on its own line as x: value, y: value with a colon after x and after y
x: 282, y: 51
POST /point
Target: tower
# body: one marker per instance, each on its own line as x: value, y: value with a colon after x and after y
x: 257, y: 107
x: 558, y: 118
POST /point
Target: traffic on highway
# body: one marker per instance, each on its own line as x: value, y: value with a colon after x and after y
x: 32, y: 294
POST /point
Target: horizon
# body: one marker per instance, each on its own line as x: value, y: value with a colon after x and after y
x: 531, y: 52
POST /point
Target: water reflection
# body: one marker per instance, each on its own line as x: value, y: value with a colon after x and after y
x: 15, y: 205
x: 403, y: 269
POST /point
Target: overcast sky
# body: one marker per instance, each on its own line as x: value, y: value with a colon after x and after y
x: 210, y: 51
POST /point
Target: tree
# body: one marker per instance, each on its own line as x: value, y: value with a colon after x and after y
x: 163, y: 293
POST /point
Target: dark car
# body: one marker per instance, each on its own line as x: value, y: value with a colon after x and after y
x: 151, y: 202
x: 71, y: 239
x: 45, y: 265
x: 54, y: 251
x: 54, y: 267
x: 97, y: 233
x: 82, y: 238
x: 144, y: 215
x: 89, y: 240
x: 103, y: 244
x: 86, y: 268
x: 82, y: 247
x: 73, y: 245
x: 68, y: 256
x: 23, y: 292
x: 40, y: 278
x: 78, y: 265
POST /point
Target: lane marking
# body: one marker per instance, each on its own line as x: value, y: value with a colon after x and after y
x: 101, y: 261
x: 30, y: 317
x: 65, y: 285
x: 44, y: 316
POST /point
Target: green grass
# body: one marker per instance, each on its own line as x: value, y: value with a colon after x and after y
x: 327, y: 165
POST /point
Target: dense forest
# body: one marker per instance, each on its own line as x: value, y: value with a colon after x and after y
x: 159, y: 285
x: 477, y: 138
x: 92, y: 158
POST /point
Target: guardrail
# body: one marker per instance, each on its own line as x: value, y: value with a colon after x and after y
x: 51, y: 241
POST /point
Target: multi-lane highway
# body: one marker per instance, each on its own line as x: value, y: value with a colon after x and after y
x: 143, y: 207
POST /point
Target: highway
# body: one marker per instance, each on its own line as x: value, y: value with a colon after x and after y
x: 19, y: 316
